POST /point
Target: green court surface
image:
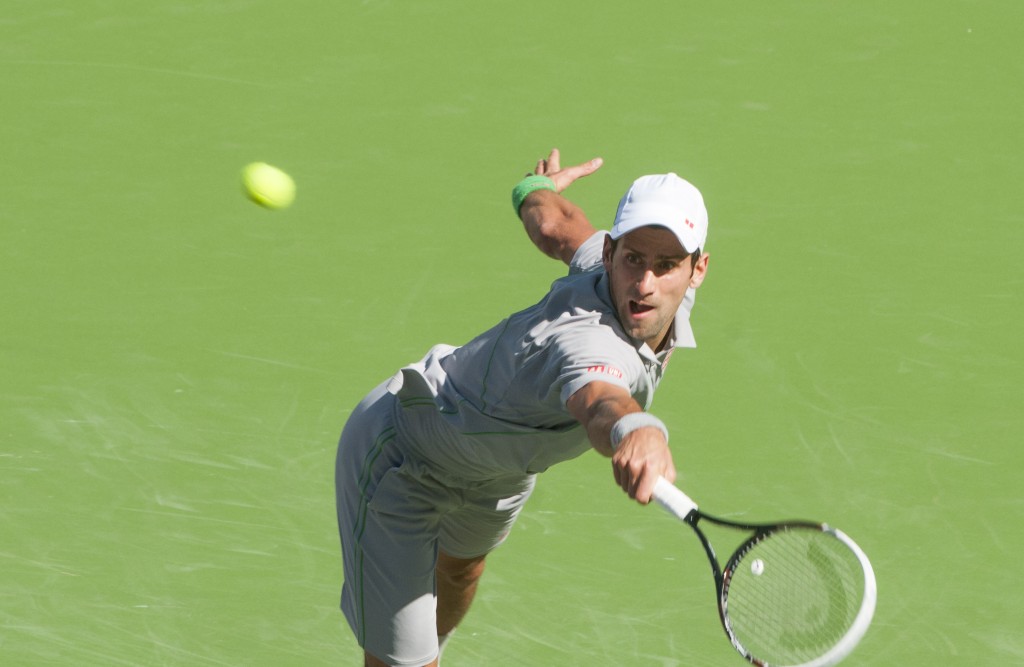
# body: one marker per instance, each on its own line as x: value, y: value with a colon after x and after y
x: 176, y: 363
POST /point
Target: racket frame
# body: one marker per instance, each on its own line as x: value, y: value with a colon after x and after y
x: 677, y: 503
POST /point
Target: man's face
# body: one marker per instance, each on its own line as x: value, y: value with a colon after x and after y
x: 649, y: 272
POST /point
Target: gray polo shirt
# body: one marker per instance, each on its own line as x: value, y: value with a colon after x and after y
x: 495, y: 406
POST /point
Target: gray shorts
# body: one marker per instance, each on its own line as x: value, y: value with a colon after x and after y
x: 393, y: 516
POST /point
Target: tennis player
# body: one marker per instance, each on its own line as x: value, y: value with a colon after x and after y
x: 435, y: 464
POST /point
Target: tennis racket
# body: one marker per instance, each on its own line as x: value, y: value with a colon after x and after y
x: 794, y: 594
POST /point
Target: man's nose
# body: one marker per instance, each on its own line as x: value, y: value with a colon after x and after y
x: 646, y: 282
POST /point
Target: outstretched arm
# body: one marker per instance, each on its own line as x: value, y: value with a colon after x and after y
x: 641, y: 456
x: 555, y: 225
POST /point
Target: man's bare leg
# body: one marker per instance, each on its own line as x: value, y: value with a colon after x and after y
x: 457, y: 580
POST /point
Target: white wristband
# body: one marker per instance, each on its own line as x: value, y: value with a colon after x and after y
x: 631, y: 422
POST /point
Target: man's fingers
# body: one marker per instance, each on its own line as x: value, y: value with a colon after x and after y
x: 554, y: 161
x: 585, y: 169
x: 565, y: 177
x: 581, y: 170
x: 637, y: 475
x: 629, y: 475
x: 645, y: 487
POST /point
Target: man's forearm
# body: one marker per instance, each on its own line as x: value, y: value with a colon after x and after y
x: 555, y: 225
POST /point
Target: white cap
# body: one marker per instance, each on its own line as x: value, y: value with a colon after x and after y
x: 668, y: 201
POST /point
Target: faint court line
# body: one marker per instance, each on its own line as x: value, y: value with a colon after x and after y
x: 139, y: 68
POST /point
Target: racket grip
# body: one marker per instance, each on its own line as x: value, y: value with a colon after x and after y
x: 673, y: 500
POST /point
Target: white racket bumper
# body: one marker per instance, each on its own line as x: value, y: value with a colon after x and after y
x: 867, y: 609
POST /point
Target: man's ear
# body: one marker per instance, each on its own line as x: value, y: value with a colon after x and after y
x: 700, y: 270
x: 606, y: 253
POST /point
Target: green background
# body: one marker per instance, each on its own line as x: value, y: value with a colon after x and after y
x: 176, y: 363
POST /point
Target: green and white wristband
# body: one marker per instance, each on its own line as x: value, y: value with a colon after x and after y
x: 631, y: 422
x: 528, y: 185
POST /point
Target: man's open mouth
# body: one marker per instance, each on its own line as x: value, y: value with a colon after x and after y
x: 637, y: 308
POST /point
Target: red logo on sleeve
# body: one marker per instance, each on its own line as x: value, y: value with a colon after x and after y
x: 607, y: 370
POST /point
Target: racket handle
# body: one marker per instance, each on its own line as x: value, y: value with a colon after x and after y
x: 673, y: 500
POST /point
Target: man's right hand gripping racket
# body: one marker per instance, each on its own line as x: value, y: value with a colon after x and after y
x: 794, y: 594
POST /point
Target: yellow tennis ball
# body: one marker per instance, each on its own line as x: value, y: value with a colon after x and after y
x: 268, y: 186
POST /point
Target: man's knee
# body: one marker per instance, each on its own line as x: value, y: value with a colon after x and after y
x: 459, y: 572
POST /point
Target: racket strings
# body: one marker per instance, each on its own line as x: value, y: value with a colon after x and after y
x: 793, y: 595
